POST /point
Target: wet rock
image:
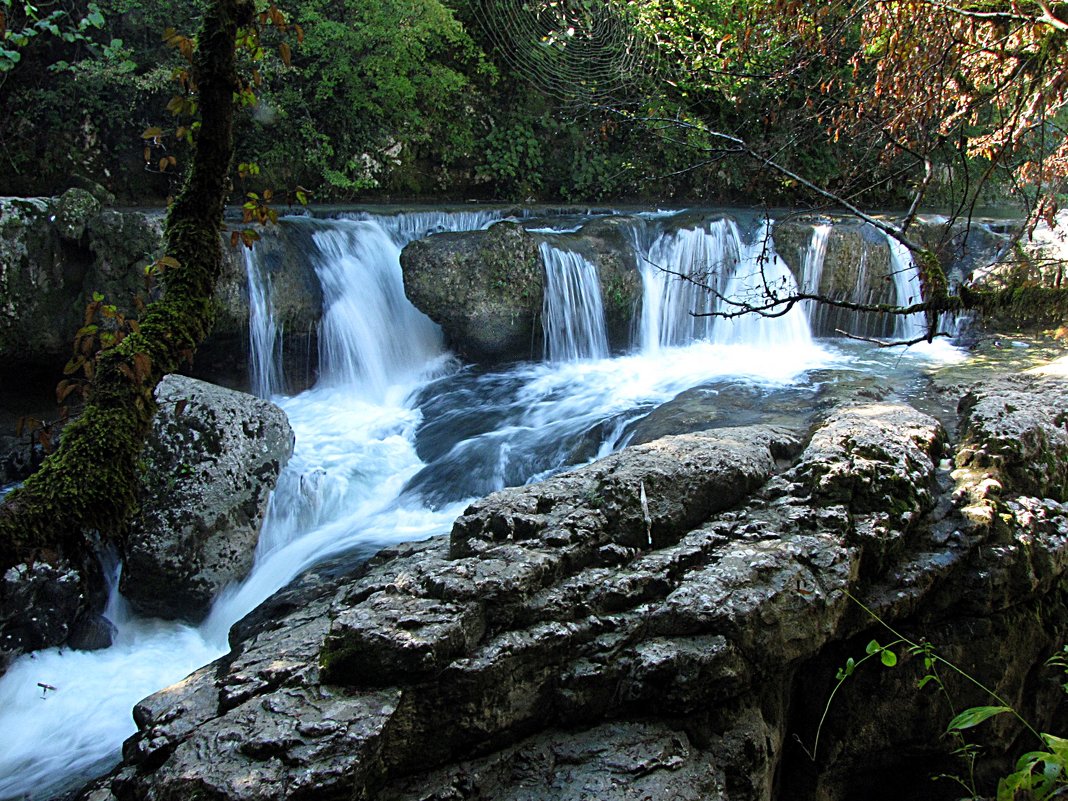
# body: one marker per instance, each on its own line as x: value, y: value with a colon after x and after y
x: 571, y: 638
x: 210, y: 465
x: 1015, y: 436
x: 483, y: 288
x: 43, y: 604
x: 713, y: 405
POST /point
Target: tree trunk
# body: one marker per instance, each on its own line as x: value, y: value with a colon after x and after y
x: 88, y: 485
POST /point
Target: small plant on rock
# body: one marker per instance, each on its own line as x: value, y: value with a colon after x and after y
x: 1038, y: 775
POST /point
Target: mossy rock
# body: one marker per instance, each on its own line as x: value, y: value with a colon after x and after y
x: 484, y: 288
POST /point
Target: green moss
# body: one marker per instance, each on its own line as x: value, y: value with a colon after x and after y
x: 89, y: 483
x: 1020, y: 307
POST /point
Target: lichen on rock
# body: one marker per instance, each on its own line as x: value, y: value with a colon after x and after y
x: 209, y: 467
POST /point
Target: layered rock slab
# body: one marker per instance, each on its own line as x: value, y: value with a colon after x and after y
x: 572, y: 638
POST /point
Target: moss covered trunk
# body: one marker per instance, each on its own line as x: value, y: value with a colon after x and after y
x: 89, y: 483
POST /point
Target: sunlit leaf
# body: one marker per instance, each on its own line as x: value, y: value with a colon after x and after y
x: 974, y: 716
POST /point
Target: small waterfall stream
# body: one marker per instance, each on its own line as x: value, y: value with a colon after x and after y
x: 760, y: 274
x: 907, y: 290
x: 812, y: 269
x: 396, y: 437
x: 264, y: 333
x: 572, y: 311
x: 678, y: 270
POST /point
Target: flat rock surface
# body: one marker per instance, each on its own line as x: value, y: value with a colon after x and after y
x: 658, y: 624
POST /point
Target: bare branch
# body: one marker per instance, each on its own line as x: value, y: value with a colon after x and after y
x: 893, y: 343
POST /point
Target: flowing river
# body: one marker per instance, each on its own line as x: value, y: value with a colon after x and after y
x: 397, y: 436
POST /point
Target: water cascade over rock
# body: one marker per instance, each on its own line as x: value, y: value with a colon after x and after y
x: 690, y: 578
x: 572, y: 311
x: 682, y: 274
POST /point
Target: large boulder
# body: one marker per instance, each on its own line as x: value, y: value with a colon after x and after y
x: 56, y: 254
x: 209, y: 468
x: 40, y: 277
x: 486, y: 288
x: 483, y: 288
x: 669, y: 619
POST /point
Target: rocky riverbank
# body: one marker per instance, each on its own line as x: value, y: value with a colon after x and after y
x: 209, y: 465
x: 666, y: 622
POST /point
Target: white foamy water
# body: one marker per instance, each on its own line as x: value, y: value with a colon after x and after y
x: 390, y: 444
x: 572, y: 311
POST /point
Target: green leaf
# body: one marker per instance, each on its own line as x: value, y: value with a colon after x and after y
x: 873, y: 648
x: 889, y: 658
x: 98, y: 296
x: 924, y: 681
x: 974, y: 716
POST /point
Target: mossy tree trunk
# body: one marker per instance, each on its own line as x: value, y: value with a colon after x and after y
x: 88, y: 484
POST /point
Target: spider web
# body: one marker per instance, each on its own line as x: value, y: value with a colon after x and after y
x: 587, y: 51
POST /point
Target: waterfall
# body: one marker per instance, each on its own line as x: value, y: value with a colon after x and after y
x: 812, y: 269
x: 572, y: 310
x: 264, y: 334
x: 759, y: 275
x: 678, y: 272
x: 907, y: 289
x: 370, y: 335
x: 391, y: 445
x: 692, y: 273
x: 358, y: 266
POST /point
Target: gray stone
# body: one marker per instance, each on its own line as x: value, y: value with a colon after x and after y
x: 569, y: 640
x: 41, y: 604
x: 210, y: 465
x: 629, y: 761
x: 73, y: 211
x: 483, y: 288
x: 1015, y: 436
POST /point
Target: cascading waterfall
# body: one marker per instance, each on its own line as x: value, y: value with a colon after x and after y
x: 264, y: 333
x: 391, y: 444
x: 812, y: 269
x: 692, y: 275
x: 759, y: 275
x: 572, y: 309
x: 907, y: 289
x: 678, y: 271
x: 337, y: 265
x: 358, y: 265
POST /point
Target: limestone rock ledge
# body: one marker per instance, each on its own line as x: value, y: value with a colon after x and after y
x: 658, y: 624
